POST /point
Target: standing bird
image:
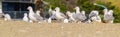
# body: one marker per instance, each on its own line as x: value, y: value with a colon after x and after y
x: 108, y: 16
x: 59, y: 16
x: 94, y: 16
x: 7, y: 17
x: 53, y: 16
x: 34, y: 17
x: 70, y: 16
x: 83, y: 16
x: 79, y: 16
x: 25, y: 18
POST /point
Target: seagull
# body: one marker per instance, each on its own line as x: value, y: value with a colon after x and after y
x: 94, y: 16
x: 79, y: 16
x: 56, y: 14
x: 59, y: 16
x: 70, y: 15
x: 25, y: 18
x: 83, y: 15
x: 33, y: 16
x: 7, y: 17
x: 108, y: 16
x: 51, y: 17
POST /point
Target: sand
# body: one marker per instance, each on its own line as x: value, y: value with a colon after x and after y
x: 25, y: 29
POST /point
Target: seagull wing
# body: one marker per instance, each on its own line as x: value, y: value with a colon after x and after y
x: 62, y: 15
x: 39, y: 18
x: 108, y: 17
x: 81, y: 17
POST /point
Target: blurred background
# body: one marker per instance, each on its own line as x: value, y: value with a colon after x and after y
x: 88, y: 6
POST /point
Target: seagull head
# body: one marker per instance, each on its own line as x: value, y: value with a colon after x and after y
x: 38, y: 11
x: 57, y: 9
x: 25, y: 14
x: 77, y: 8
x: 105, y: 10
x: 29, y: 8
x: 68, y: 13
x: 83, y: 12
x: 110, y: 12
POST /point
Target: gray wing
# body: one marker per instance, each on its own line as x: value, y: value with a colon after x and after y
x: 39, y: 18
x: 62, y: 15
x: 53, y: 16
x: 92, y: 15
x: 108, y: 17
x: 98, y: 18
x: 81, y: 17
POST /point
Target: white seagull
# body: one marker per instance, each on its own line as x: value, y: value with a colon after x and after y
x: 79, y: 16
x: 53, y: 16
x: 59, y: 16
x: 94, y: 16
x: 108, y: 16
x: 7, y: 17
x: 33, y: 16
x: 25, y: 18
x: 70, y: 16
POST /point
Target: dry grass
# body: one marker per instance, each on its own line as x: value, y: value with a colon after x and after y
x: 25, y: 29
